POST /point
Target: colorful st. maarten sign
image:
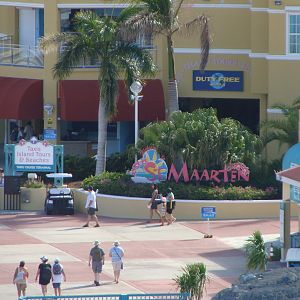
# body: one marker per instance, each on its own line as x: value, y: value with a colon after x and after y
x: 153, y: 169
x: 34, y: 156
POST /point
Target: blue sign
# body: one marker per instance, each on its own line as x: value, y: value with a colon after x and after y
x: 49, y: 134
x: 208, y: 212
x: 218, y: 81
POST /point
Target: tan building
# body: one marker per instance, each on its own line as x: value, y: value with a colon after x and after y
x: 253, y: 64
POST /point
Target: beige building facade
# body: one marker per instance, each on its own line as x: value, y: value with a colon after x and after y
x: 253, y: 64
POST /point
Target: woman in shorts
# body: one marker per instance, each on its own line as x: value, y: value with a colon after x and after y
x: 153, y: 203
x: 20, y: 278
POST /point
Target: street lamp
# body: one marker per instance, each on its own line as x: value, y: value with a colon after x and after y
x: 135, y: 88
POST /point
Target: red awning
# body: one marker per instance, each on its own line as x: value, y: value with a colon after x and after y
x: 290, y: 176
x: 79, y: 101
x: 21, y: 99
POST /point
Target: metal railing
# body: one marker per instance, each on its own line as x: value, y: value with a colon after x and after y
x: 169, y: 296
x: 20, y: 55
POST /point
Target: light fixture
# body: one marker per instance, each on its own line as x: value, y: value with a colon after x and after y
x: 277, y: 2
x: 48, y: 108
x: 136, y: 87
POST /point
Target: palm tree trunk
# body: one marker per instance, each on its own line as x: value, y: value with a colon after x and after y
x: 102, y: 138
x: 172, y: 84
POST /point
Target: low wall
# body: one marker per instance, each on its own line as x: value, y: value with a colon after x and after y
x: 136, y: 208
x: 124, y: 207
x: 31, y: 199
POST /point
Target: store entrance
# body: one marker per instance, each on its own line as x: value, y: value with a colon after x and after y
x: 245, y: 111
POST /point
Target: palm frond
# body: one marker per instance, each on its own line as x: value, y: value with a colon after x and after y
x: 50, y: 42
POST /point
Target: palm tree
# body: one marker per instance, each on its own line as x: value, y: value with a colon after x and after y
x: 100, y: 38
x: 284, y: 130
x: 160, y: 17
x: 192, y: 280
x: 256, y: 252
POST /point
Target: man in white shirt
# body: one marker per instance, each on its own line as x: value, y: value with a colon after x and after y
x: 91, y: 207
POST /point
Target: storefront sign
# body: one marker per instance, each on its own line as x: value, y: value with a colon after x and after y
x: 231, y: 173
x: 150, y: 168
x: 218, y: 80
x: 34, y: 156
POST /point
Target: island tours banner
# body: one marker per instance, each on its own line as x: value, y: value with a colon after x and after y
x: 151, y: 168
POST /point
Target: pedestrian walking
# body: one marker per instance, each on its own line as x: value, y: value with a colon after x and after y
x: 91, y: 207
x: 20, y: 278
x: 44, y: 274
x: 171, y: 203
x: 154, y: 202
x: 97, y: 258
x: 117, y: 253
x: 58, y: 275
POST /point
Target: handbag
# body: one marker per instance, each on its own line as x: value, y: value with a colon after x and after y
x: 122, y: 266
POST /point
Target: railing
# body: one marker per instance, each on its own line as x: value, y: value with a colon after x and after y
x: 20, y: 55
x: 29, y: 56
x: 173, y: 296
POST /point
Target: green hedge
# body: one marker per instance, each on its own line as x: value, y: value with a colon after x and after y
x: 121, y: 185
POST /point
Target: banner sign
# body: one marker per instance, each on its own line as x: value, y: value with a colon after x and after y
x: 34, y: 156
x: 218, y: 81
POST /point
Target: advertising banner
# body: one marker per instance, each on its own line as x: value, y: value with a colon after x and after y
x: 34, y: 157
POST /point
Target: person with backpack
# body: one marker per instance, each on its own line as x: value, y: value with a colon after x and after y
x: 97, y: 256
x: 58, y: 274
x: 20, y: 278
x: 44, y: 274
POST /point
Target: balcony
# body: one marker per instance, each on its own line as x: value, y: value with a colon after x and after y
x: 29, y: 56
x: 19, y: 55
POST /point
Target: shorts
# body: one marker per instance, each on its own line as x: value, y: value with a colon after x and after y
x: 56, y: 285
x: 97, y: 266
x: 91, y: 211
x: 117, y: 265
x: 155, y: 203
x: 21, y: 286
x: 169, y: 209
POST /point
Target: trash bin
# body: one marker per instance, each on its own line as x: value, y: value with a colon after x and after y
x: 59, y: 201
x: 295, y: 240
x: 293, y: 257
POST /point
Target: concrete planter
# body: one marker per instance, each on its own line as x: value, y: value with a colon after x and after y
x: 33, y: 198
x: 125, y: 207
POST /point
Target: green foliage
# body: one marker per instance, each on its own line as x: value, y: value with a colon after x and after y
x: 276, y: 253
x: 121, y: 162
x: 79, y: 167
x: 34, y: 184
x: 283, y: 130
x: 201, y: 140
x: 256, y: 252
x: 192, y: 280
x: 121, y: 185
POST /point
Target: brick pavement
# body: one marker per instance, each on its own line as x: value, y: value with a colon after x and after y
x: 154, y: 254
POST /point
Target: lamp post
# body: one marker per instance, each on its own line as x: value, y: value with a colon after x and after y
x: 136, y: 87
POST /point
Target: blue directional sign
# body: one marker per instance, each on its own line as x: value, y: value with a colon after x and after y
x: 208, y: 212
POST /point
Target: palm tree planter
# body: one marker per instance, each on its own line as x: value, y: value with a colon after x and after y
x: 192, y: 280
x: 101, y: 39
x: 160, y: 17
x: 256, y: 252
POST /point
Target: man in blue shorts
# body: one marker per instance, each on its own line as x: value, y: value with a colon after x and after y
x: 58, y: 274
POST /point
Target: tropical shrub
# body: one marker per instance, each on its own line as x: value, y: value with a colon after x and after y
x: 201, y: 140
x: 192, y: 280
x: 256, y: 252
x: 121, y: 185
x: 79, y: 167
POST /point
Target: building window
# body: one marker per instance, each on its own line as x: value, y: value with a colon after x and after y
x: 294, y: 34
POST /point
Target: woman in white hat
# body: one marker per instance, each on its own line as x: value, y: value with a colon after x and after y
x: 116, y: 253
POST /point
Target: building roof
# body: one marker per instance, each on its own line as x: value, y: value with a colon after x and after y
x: 290, y: 176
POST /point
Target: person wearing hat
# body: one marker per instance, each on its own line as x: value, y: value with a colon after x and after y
x: 91, y: 207
x: 170, y: 206
x: 58, y: 274
x: 116, y: 253
x: 44, y: 274
x: 96, y: 257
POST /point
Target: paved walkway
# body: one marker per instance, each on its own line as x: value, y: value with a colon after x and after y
x: 154, y: 254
